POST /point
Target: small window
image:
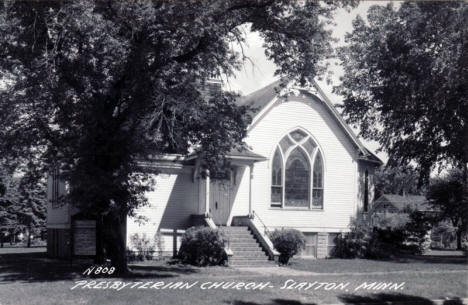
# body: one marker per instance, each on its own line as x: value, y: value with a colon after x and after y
x: 331, y: 242
x: 310, y: 245
x: 317, y: 193
x: 276, y: 179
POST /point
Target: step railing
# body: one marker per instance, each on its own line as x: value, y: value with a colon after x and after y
x: 265, y: 228
x: 260, y: 231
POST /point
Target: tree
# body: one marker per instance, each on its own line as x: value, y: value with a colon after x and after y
x: 8, y: 199
x: 405, y: 82
x: 396, y: 180
x: 23, y: 202
x: 94, y: 86
x: 449, y: 197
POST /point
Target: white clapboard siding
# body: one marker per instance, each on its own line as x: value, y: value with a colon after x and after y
x: 240, y: 192
x: 340, y: 166
x: 173, y: 200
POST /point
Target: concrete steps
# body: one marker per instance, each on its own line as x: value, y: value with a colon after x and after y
x: 247, y: 252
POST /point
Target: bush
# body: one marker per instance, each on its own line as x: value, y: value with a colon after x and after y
x: 288, y: 243
x: 367, y: 241
x: 202, y: 246
x: 143, y: 245
x: 417, y: 229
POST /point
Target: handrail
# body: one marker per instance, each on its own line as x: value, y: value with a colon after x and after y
x: 265, y: 228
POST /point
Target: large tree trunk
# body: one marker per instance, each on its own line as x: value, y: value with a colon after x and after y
x: 29, y: 237
x: 459, y: 239
x: 114, y: 242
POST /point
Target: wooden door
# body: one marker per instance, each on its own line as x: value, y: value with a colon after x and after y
x: 220, y: 201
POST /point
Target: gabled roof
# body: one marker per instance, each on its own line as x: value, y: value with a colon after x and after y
x: 413, y: 202
x: 259, y: 99
x: 265, y: 97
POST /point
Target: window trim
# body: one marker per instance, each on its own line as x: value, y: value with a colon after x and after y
x: 311, y: 159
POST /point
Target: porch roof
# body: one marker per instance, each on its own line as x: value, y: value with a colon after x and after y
x: 244, y: 154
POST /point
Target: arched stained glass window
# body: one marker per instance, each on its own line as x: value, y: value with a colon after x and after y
x: 317, y: 192
x: 276, y: 179
x: 297, y: 185
x: 296, y: 182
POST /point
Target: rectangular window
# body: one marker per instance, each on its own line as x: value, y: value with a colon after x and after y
x: 331, y: 242
x: 310, y: 249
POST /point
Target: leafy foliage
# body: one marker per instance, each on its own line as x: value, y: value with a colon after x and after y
x: 405, y: 81
x: 288, y: 242
x: 449, y: 196
x: 396, y: 180
x: 202, y: 246
x: 143, y: 245
x: 378, y: 241
x: 23, y: 203
x: 96, y: 86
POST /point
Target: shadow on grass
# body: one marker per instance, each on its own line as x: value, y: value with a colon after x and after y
x: 179, y: 269
x: 349, y: 299
x: 273, y: 302
x: 394, y: 299
x: 432, y: 259
x: 37, y: 267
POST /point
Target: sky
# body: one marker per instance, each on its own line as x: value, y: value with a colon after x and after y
x: 261, y: 73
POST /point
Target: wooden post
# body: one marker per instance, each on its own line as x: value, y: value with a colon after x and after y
x: 174, y: 243
x: 250, y: 189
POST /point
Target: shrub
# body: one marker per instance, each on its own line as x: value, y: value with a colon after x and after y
x: 288, y: 243
x: 367, y: 241
x: 417, y: 229
x: 202, y: 246
x: 143, y: 245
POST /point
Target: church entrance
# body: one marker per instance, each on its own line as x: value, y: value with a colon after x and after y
x: 220, y: 201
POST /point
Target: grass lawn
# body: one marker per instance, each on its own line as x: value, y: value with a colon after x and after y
x: 416, y: 263
x: 34, y: 279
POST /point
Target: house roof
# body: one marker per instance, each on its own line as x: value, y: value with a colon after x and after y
x: 414, y: 202
x: 257, y: 100
x: 265, y: 96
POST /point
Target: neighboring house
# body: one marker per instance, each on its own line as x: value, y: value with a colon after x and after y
x: 393, y: 210
x: 391, y: 203
x: 304, y: 169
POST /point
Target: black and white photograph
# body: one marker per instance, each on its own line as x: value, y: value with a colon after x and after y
x: 233, y: 152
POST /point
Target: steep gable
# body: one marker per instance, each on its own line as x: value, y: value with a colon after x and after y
x: 265, y: 98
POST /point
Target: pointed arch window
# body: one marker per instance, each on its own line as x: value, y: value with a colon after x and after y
x: 317, y: 193
x: 276, y: 179
x: 297, y: 172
